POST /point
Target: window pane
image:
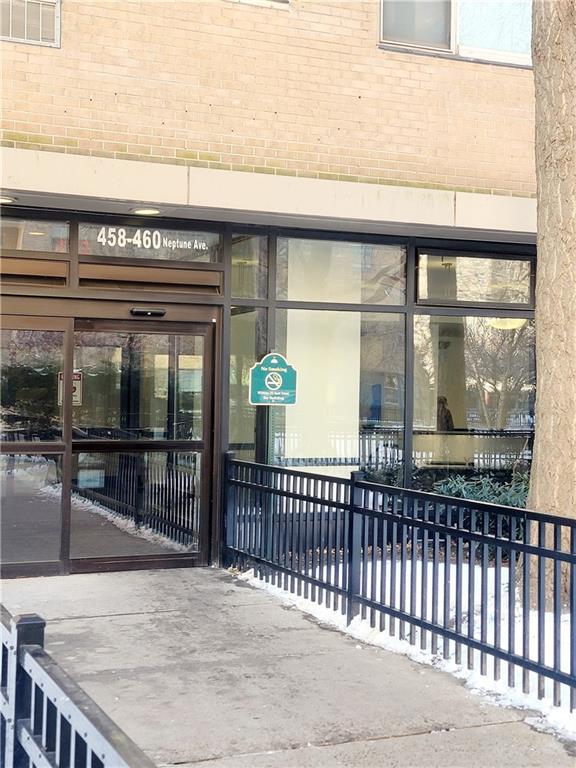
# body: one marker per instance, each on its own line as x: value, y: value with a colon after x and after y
x: 27, y: 235
x: 148, y: 243
x: 249, y: 266
x: 33, y: 21
x: 344, y: 272
x: 448, y: 277
x: 30, y: 509
x: 48, y: 23
x: 139, y: 386
x: 495, y: 25
x: 417, y: 22
x: 5, y: 18
x: 349, y: 408
x: 474, y: 389
x: 32, y: 362
x: 135, y: 503
x: 247, y: 344
x: 18, y: 19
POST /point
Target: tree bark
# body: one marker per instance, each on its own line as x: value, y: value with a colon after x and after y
x: 553, y: 476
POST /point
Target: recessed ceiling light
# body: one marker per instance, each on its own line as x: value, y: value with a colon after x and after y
x: 507, y: 323
x: 146, y: 211
x: 7, y: 200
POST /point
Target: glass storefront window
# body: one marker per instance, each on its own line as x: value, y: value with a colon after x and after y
x: 139, y: 386
x: 341, y: 272
x: 474, y: 390
x: 448, y: 277
x: 28, y: 235
x: 247, y: 344
x: 350, y: 403
x: 249, y: 266
x: 135, y: 503
x: 31, y: 508
x: 148, y: 242
x: 31, y: 385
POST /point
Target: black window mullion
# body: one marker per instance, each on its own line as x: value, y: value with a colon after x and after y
x: 411, y: 264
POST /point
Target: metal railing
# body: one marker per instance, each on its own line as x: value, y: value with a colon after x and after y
x: 46, y: 719
x: 448, y: 574
x: 382, y: 448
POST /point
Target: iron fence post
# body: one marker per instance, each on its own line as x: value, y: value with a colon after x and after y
x: 26, y: 629
x: 229, y: 511
x: 354, y: 547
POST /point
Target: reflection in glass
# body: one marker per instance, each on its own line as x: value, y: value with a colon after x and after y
x: 350, y: 402
x: 28, y: 235
x: 350, y: 273
x: 495, y: 25
x: 247, y: 344
x: 249, y: 266
x: 139, y: 385
x: 465, y: 278
x: 48, y: 22
x: 415, y: 22
x: 135, y: 503
x: 31, y: 398
x: 30, y: 509
x: 474, y: 388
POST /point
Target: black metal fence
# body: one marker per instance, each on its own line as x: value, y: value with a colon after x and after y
x: 46, y: 720
x: 464, y: 580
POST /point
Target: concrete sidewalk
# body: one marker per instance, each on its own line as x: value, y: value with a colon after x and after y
x: 199, y: 668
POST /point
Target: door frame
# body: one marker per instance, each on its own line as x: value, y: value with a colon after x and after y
x: 62, y: 314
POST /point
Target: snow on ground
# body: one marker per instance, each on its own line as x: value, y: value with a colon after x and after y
x: 558, y: 720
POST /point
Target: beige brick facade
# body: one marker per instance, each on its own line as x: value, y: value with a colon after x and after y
x: 298, y: 89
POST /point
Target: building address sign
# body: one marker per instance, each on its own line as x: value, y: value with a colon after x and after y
x: 148, y: 243
x: 147, y: 238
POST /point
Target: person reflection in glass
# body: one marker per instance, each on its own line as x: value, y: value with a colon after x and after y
x: 444, y: 420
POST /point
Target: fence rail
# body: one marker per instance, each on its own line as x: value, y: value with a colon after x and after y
x: 382, y: 448
x: 464, y: 580
x: 46, y: 720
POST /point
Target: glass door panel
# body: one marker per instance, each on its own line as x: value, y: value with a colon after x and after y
x: 32, y: 425
x: 141, y: 440
x: 31, y: 384
x: 127, y: 503
x: 30, y: 507
x: 135, y: 386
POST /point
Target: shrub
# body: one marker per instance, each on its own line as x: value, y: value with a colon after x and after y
x: 487, y: 488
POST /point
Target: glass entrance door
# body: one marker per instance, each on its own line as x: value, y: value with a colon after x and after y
x: 106, y: 441
x: 141, y: 440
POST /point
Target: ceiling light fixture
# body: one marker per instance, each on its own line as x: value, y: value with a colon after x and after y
x: 507, y: 323
x: 36, y: 234
x: 4, y: 200
x: 146, y: 211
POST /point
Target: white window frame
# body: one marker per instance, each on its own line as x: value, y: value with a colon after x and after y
x: 455, y: 50
x: 57, y: 14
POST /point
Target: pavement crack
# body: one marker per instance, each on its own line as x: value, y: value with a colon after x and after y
x: 111, y: 615
x: 339, y: 742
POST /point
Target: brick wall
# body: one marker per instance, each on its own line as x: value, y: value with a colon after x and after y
x: 299, y: 89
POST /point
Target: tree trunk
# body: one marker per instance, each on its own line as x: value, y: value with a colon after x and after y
x: 553, y: 475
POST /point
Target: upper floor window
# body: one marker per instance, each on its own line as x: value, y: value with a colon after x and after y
x: 31, y: 21
x: 493, y: 30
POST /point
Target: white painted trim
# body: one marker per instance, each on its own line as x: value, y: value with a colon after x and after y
x: 81, y: 182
